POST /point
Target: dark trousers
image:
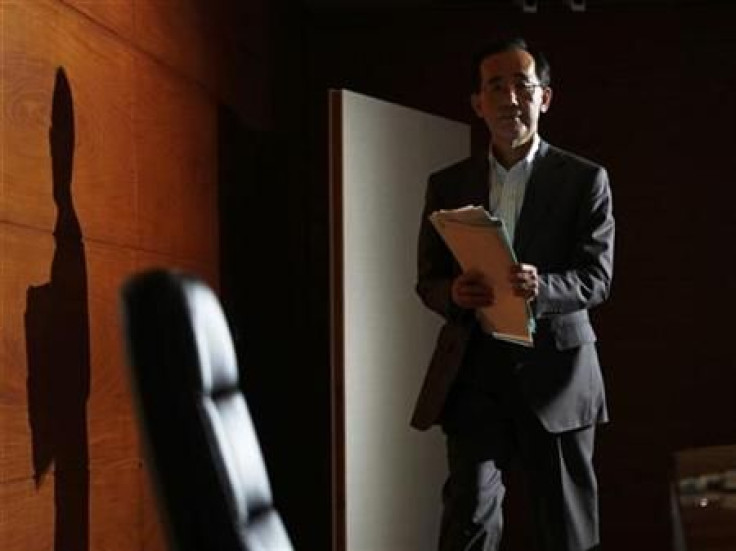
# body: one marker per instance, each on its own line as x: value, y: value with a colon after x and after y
x: 489, y: 427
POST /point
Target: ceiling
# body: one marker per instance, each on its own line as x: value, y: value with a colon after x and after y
x: 402, y: 4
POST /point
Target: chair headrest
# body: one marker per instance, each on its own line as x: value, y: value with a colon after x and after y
x: 158, y: 298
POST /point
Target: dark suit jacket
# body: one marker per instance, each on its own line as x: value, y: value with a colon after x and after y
x: 566, y: 230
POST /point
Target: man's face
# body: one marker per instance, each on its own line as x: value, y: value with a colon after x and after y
x: 510, y: 98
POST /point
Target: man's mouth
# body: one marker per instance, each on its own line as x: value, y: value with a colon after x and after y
x: 512, y: 118
x: 511, y: 115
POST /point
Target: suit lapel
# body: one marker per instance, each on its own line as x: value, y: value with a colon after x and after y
x: 537, y: 198
x: 475, y: 190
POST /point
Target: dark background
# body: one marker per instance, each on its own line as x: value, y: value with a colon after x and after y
x: 648, y: 89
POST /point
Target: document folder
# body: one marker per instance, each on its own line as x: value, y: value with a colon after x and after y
x: 480, y: 242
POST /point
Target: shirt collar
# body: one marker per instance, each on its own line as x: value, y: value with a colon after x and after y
x: 525, y: 162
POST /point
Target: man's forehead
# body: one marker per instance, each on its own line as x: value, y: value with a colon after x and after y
x: 508, y: 64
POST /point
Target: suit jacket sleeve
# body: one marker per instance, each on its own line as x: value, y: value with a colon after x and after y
x: 585, y: 280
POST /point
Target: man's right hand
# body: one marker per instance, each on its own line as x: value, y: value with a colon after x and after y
x: 470, y: 290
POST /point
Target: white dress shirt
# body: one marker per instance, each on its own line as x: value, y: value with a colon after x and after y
x: 508, y: 187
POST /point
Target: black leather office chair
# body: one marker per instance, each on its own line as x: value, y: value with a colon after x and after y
x: 212, y: 485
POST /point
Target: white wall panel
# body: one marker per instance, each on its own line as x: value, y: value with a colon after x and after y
x: 393, y: 474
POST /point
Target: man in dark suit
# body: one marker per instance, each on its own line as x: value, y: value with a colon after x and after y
x: 500, y: 402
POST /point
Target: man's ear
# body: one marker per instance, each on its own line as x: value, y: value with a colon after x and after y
x: 546, y: 99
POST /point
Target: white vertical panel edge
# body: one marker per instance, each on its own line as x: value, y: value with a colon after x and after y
x: 393, y: 474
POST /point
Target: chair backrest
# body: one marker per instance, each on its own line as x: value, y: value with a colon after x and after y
x: 200, y: 442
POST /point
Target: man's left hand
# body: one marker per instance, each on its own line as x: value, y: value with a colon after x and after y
x: 525, y: 280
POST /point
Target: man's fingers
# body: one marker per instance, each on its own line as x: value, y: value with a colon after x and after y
x: 470, y: 291
x: 525, y: 280
x: 474, y: 291
x: 472, y: 277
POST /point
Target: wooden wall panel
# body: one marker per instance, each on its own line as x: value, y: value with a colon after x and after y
x: 176, y: 138
x: 29, y: 523
x: 115, y: 508
x: 27, y: 84
x: 26, y: 262
x: 177, y: 32
x: 142, y: 162
x: 3, y: 331
x: 117, y: 15
x: 114, y: 493
x: 40, y: 38
x: 113, y: 433
x: 153, y: 530
x: 26, y: 516
x: 220, y: 44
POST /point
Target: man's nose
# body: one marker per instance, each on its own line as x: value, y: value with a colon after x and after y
x: 510, y: 94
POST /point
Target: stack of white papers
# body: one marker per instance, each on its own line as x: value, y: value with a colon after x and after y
x: 480, y: 242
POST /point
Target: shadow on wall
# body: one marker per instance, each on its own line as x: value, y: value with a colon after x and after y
x: 57, y: 348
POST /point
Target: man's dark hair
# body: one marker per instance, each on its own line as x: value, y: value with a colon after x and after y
x: 541, y: 65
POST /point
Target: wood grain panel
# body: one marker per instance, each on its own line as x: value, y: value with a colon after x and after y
x: 27, y: 87
x: 40, y: 38
x: 178, y: 33
x: 26, y: 260
x: 117, y: 15
x: 4, y: 365
x: 112, y: 434
x: 113, y: 430
x: 114, y: 522
x: 27, y: 524
x: 175, y: 133
x: 219, y: 44
x: 116, y: 508
x: 140, y: 145
x: 154, y: 538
